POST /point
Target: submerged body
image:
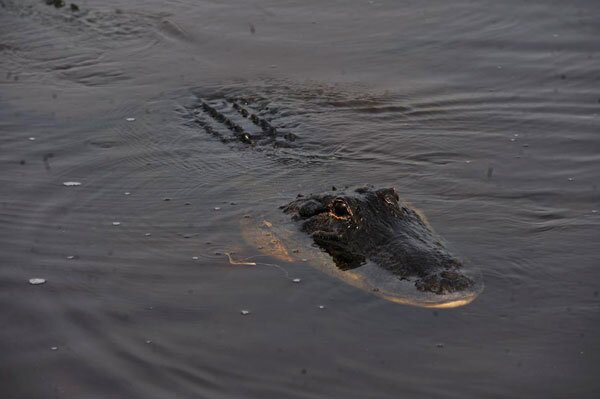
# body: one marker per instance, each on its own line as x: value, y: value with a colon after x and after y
x: 370, y: 239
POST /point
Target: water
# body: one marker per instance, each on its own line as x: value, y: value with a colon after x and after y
x: 485, y: 115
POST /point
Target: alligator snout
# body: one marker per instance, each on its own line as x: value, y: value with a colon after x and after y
x: 432, y: 267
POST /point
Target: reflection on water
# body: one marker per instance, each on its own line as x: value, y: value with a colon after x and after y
x: 484, y: 115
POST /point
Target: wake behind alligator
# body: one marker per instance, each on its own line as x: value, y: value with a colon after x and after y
x: 370, y: 238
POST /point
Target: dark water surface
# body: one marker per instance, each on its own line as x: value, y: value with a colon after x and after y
x: 484, y: 114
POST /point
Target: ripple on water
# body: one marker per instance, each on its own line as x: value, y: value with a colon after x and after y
x: 484, y: 120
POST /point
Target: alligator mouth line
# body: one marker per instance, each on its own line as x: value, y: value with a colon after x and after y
x: 433, y: 305
x: 432, y: 301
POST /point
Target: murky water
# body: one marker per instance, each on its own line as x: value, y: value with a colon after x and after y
x: 485, y: 115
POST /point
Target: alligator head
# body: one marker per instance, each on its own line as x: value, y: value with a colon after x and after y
x: 373, y: 225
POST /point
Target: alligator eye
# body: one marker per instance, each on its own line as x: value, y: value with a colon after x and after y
x: 340, y: 209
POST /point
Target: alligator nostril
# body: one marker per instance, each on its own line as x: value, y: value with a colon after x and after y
x: 445, y: 282
x: 451, y: 263
x: 450, y: 275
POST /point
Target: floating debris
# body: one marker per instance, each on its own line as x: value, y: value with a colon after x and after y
x: 32, y: 139
x: 246, y: 216
x: 233, y: 262
x: 130, y: 119
x: 71, y: 183
x: 296, y: 280
x: 147, y: 234
x: 116, y: 223
x: 54, y: 348
x: 304, y: 260
x: 70, y: 257
x: 37, y: 281
x: 513, y: 139
x: 195, y: 258
x: 571, y: 179
x: 188, y: 203
x: 245, y: 312
x: 167, y: 199
x: 467, y: 161
x: 439, y: 345
x: 321, y: 306
x: 594, y: 211
x: 217, y: 208
x: 127, y: 193
x: 148, y: 341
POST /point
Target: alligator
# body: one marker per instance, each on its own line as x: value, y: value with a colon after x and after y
x: 371, y: 239
x: 364, y: 236
x: 373, y: 224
